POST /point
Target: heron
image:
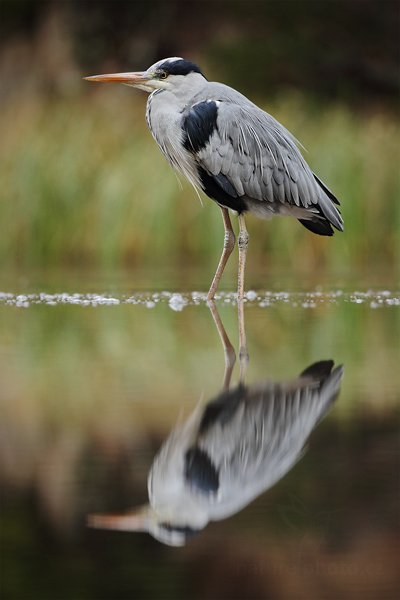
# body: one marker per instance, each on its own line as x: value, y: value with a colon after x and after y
x: 227, y: 453
x: 233, y: 151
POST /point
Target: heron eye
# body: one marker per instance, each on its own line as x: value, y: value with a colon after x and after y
x: 163, y: 75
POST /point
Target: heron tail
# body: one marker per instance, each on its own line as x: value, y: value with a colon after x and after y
x: 320, y: 226
x: 327, y: 214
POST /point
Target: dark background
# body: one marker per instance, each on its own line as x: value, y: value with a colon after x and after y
x: 341, y: 49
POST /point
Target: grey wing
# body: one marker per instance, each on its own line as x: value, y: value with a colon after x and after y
x: 249, y: 150
x: 266, y: 437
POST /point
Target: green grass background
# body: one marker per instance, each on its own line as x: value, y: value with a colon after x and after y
x: 84, y: 184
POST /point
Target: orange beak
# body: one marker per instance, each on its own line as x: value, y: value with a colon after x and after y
x: 138, y: 78
x: 129, y: 521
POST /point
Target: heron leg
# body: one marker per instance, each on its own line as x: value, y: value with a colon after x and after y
x: 229, y: 243
x: 230, y: 356
x: 243, y: 353
x: 243, y: 242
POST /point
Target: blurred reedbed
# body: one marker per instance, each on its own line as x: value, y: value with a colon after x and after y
x: 84, y: 183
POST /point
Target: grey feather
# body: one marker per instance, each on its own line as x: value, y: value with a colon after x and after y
x: 249, y: 437
x: 263, y: 146
x: 294, y: 191
x: 258, y: 156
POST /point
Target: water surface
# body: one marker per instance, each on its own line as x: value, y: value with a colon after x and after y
x: 95, y: 379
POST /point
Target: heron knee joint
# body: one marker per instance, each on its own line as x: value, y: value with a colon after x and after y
x: 243, y: 239
x: 244, y: 357
x: 229, y: 240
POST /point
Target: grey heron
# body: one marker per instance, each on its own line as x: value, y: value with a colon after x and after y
x: 227, y: 147
x: 227, y: 453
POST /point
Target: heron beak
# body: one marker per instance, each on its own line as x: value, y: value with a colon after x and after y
x: 129, y: 521
x: 138, y: 78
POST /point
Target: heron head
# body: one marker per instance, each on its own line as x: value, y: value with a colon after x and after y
x: 166, y: 74
x: 146, y: 519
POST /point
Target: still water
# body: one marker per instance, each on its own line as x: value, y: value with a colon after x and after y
x: 273, y: 478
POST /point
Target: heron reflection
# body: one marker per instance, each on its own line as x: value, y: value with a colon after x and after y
x: 229, y: 451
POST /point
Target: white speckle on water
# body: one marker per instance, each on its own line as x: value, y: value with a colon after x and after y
x: 177, y: 302
x: 308, y: 304
x: 198, y: 297
x: 264, y: 304
x: 251, y: 295
x: 393, y: 301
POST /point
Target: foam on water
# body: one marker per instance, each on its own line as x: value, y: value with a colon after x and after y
x: 178, y: 301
